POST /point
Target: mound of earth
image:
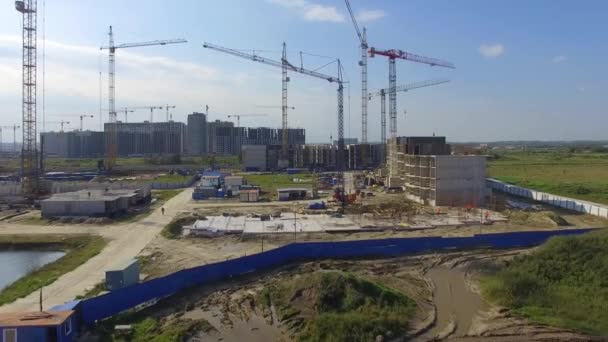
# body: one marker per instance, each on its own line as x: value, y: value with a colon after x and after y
x: 337, y: 306
x: 537, y: 219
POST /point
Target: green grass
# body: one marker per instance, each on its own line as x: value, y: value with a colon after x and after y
x: 577, y: 175
x: 96, y: 290
x: 79, y: 248
x: 271, y: 182
x: 564, y: 283
x: 338, y: 306
x: 148, y: 329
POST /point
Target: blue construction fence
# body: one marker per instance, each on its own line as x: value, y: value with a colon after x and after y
x: 112, y: 303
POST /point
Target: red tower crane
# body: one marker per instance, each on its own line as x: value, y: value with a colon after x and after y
x: 404, y: 88
x: 392, y: 55
x: 112, y: 147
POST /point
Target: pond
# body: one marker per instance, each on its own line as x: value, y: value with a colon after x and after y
x: 16, y: 264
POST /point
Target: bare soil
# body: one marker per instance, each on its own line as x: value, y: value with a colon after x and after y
x: 443, y: 285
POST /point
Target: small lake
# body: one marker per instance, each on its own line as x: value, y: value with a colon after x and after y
x: 16, y: 264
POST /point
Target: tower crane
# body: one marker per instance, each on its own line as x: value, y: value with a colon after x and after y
x: 14, y: 128
x: 286, y: 66
x: 238, y: 117
x: 151, y: 108
x: 127, y: 111
x: 112, y: 151
x: 29, y: 148
x: 401, y: 88
x: 62, y: 123
x: 81, y: 117
x: 167, y: 107
x: 392, y: 55
x: 363, y: 64
x: 292, y: 108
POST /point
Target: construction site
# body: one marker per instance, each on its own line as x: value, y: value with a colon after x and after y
x: 213, y: 231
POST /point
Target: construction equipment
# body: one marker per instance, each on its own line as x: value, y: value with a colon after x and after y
x: 292, y: 108
x: 392, y: 55
x: 167, y: 107
x: 238, y: 117
x: 81, y: 117
x: 14, y: 128
x: 29, y: 149
x: 127, y: 111
x: 286, y: 66
x: 112, y: 147
x: 401, y: 88
x: 363, y: 64
x: 62, y: 123
x: 151, y: 108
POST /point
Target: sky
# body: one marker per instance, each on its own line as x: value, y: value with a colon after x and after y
x: 525, y: 70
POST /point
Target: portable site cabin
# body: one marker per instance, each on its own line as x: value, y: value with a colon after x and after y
x: 51, y: 326
x: 292, y: 194
x: 124, y: 275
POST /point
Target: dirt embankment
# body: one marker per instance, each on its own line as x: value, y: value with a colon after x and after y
x: 443, y: 286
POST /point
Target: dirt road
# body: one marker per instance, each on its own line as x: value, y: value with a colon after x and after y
x: 125, y: 242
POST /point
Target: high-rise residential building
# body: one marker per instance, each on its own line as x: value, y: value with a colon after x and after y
x: 74, y: 144
x: 149, y: 138
x: 197, y: 134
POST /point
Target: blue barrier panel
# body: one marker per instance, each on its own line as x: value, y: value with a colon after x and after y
x: 110, y: 304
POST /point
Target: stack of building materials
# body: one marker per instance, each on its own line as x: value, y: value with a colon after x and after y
x: 250, y: 195
x: 124, y: 275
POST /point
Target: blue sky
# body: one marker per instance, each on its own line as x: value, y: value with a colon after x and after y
x: 524, y: 69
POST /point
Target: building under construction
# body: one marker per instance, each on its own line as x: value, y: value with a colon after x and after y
x: 226, y: 139
x: 74, y: 144
x: 428, y: 173
x: 149, y: 138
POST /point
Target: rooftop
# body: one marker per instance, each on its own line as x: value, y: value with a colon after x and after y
x: 34, y: 319
x: 93, y: 195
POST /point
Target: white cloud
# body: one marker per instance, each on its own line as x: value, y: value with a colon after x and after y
x: 366, y: 16
x: 559, y: 59
x: 312, y: 11
x: 491, y: 50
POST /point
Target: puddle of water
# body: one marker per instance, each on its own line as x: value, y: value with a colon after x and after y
x: 454, y: 301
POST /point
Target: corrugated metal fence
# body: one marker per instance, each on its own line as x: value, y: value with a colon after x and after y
x: 110, y: 304
x: 590, y: 208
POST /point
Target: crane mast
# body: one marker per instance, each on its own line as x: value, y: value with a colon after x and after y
x: 392, y: 55
x: 363, y: 64
x: 112, y: 135
x: 401, y: 88
x: 285, y: 65
x: 29, y: 149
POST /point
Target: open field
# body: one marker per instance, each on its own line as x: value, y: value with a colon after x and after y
x: 78, y: 248
x: 563, y: 283
x: 58, y: 164
x: 578, y: 175
x: 271, y: 182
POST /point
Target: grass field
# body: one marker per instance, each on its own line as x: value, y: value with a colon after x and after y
x: 271, y: 182
x: 78, y: 248
x: 55, y: 163
x: 578, y: 175
x: 564, y: 283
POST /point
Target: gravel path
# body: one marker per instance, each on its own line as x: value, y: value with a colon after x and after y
x: 125, y: 242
